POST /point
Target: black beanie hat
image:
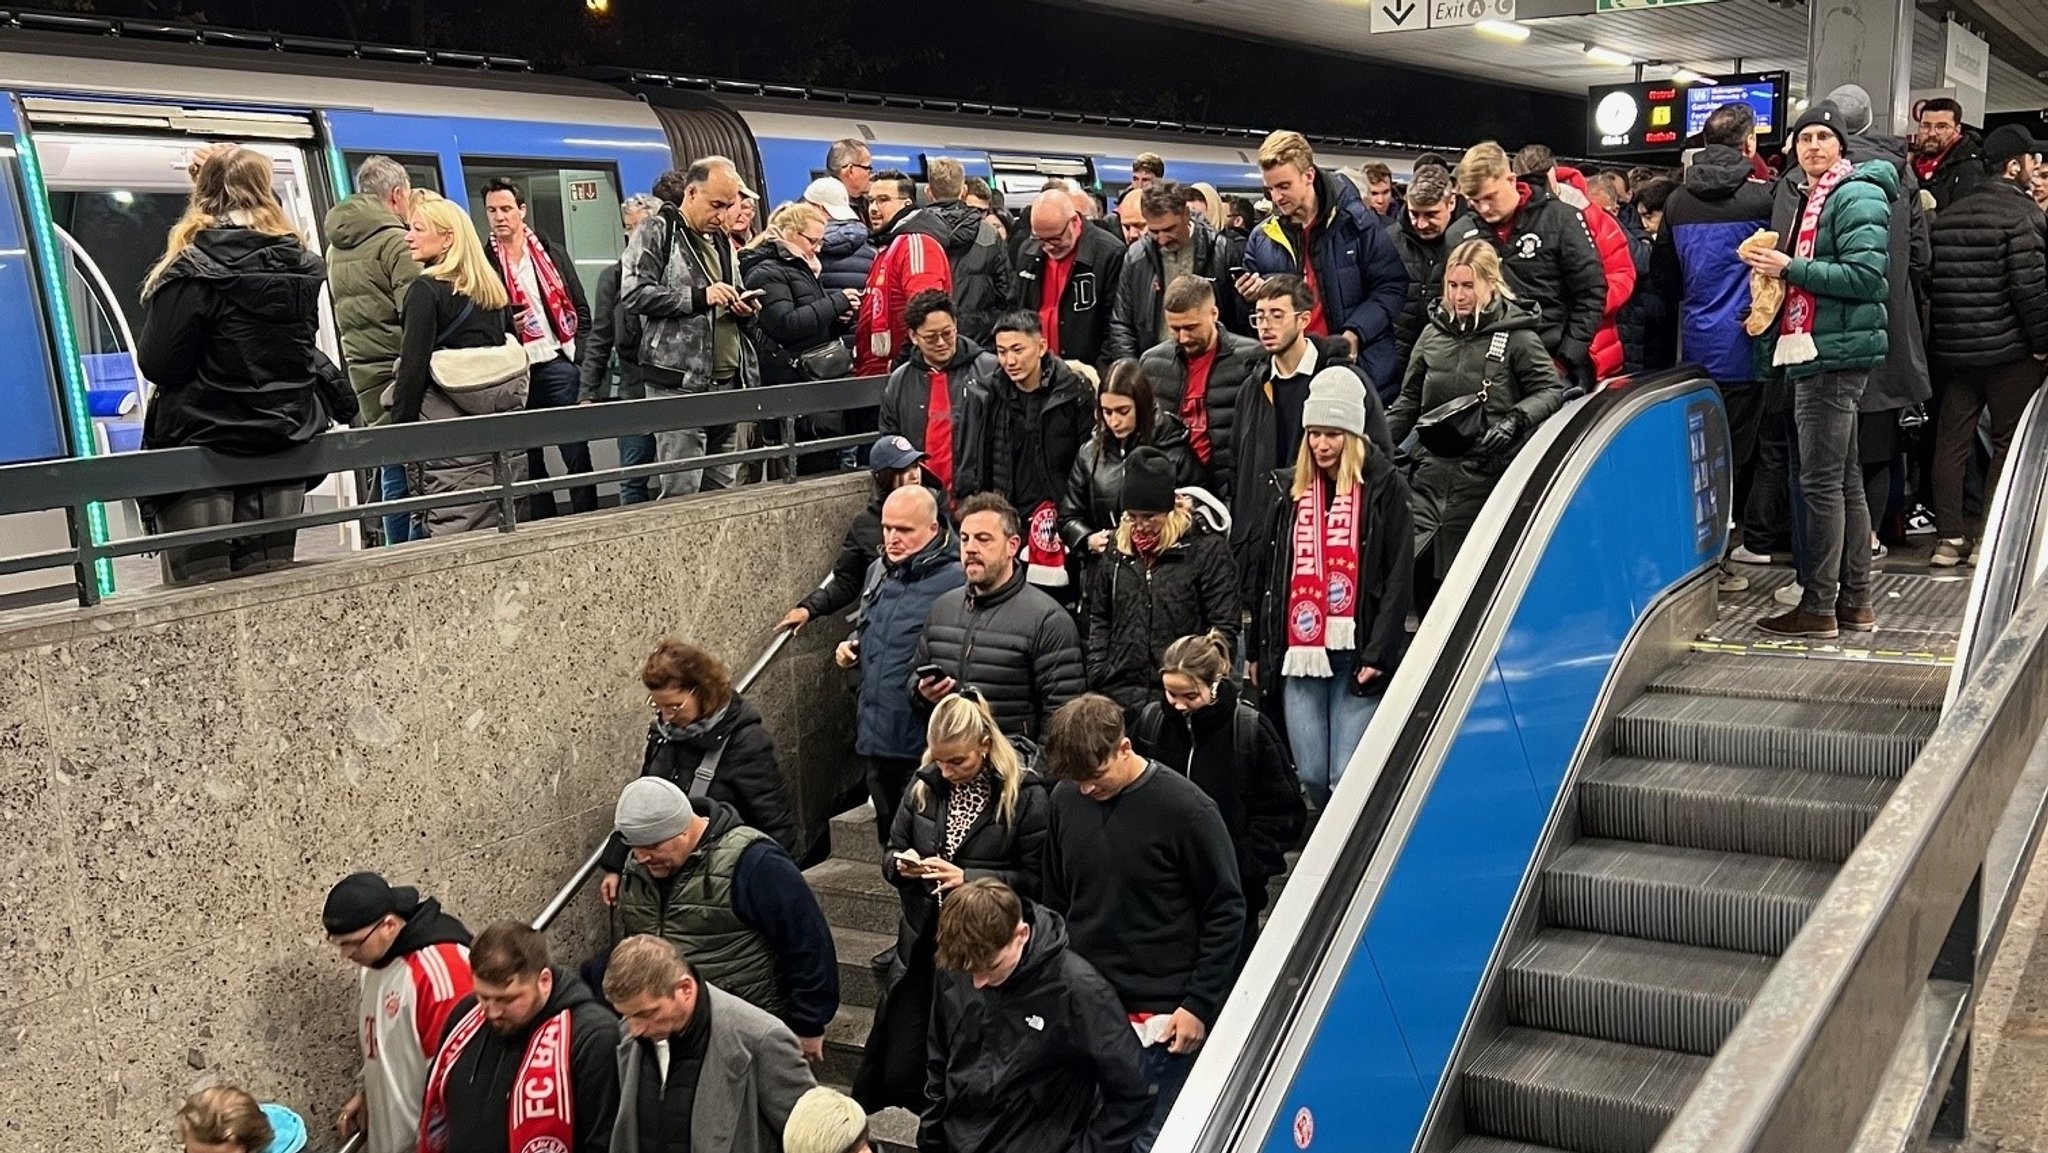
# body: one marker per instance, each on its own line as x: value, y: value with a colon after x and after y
x: 1827, y: 116
x: 1148, y: 481
x: 360, y: 900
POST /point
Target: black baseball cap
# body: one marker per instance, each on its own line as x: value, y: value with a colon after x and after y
x: 360, y: 900
x: 2008, y: 142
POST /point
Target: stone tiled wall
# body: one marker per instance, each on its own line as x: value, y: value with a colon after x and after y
x: 183, y: 775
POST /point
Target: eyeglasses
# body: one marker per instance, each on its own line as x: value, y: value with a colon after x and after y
x: 813, y: 241
x: 353, y: 941
x: 668, y: 711
x: 862, y: 167
x: 940, y: 337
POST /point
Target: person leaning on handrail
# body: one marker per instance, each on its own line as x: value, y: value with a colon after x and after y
x: 895, y: 464
x: 229, y: 317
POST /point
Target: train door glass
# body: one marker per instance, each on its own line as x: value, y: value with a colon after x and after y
x: 423, y: 171
x: 576, y: 205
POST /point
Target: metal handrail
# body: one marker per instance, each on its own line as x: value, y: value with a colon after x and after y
x: 1798, y: 1072
x: 581, y: 877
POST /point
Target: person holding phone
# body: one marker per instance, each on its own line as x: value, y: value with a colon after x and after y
x: 975, y: 809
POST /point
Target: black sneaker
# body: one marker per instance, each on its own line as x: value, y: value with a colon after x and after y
x: 1920, y: 522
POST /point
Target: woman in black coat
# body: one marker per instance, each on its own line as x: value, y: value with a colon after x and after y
x: 798, y: 313
x: 1162, y: 579
x: 976, y: 809
x: 1126, y: 419
x: 1203, y: 728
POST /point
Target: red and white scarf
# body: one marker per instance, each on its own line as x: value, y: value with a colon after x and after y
x: 561, y: 307
x: 1795, y: 323
x: 542, y: 1109
x: 1045, y: 554
x: 1322, y: 593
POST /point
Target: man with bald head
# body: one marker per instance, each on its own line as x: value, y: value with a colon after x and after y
x: 920, y: 559
x: 1066, y: 273
x: 1130, y: 216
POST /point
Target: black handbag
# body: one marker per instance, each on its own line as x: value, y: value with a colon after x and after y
x: 829, y: 361
x: 1453, y: 427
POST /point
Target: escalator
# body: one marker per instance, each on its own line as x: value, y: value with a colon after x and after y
x: 1595, y: 807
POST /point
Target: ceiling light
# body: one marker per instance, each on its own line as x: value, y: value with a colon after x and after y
x: 1608, y: 56
x: 1688, y: 76
x: 1799, y: 104
x: 1502, y: 30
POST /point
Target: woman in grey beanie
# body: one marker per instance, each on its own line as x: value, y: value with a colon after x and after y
x: 1334, y: 584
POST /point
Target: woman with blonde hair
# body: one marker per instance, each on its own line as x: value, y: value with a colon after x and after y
x: 826, y: 1121
x: 976, y: 809
x: 802, y: 320
x: 458, y: 355
x: 1330, y: 626
x: 224, y: 1119
x: 1478, y: 381
x: 229, y: 318
x: 1212, y: 204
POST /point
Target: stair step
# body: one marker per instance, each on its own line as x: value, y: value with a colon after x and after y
x: 858, y: 984
x: 1636, y: 992
x: 1732, y: 808
x: 853, y: 835
x: 1715, y: 900
x: 1496, y: 1145
x: 846, y: 1038
x: 1577, y: 1093
x: 1777, y: 678
x: 854, y: 895
x: 893, y: 1131
x: 1859, y: 740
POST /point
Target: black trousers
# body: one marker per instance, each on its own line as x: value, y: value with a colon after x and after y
x: 888, y: 780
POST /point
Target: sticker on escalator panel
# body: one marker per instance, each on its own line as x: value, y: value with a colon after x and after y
x: 1304, y: 1127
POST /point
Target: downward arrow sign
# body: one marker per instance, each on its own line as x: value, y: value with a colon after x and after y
x: 1400, y: 14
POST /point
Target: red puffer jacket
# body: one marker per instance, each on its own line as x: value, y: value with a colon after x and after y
x: 1611, y: 242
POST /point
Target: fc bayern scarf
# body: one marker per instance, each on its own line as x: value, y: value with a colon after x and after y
x: 542, y: 1112
x: 1045, y: 554
x: 1795, y: 324
x: 561, y: 307
x: 1322, y: 594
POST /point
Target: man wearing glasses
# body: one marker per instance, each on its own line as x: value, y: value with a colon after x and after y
x: 415, y: 969
x: 913, y: 259
x: 849, y: 162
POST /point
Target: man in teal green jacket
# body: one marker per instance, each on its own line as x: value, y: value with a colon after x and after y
x: 1834, y: 259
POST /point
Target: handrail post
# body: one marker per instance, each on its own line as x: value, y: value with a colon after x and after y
x: 85, y: 573
x: 789, y: 452
x: 508, y: 505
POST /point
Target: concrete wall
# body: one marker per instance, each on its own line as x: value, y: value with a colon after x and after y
x: 184, y: 774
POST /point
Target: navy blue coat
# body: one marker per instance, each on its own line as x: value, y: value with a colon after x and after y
x: 1358, y: 272
x: 1694, y: 266
x: 893, y: 609
x: 847, y: 255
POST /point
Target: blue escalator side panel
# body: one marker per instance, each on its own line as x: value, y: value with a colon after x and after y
x: 1632, y: 531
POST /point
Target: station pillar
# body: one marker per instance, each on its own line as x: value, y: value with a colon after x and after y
x: 1866, y: 42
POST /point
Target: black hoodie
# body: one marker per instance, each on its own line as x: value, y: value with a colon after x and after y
x: 1258, y: 795
x: 748, y: 778
x: 1045, y: 1062
x: 427, y: 925
x: 980, y: 261
x: 479, y: 1090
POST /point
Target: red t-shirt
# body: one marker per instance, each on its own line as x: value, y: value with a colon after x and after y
x: 1194, y: 402
x: 1318, y: 322
x: 1056, y: 274
x: 938, y: 432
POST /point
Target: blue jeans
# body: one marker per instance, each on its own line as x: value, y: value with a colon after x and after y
x: 1835, y: 562
x: 635, y: 450
x: 1324, y: 724
x: 556, y: 384
x: 1166, y: 1073
x: 391, y: 486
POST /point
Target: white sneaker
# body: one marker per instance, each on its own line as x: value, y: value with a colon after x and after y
x: 1732, y: 582
x: 1789, y: 595
x: 1878, y: 551
x: 1743, y: 555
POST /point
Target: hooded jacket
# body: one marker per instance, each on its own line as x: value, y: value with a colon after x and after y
x: 1237, y: 359
x: 847, y: 255
x: 907, y: 397
x: 895, y: 602
x: 481, y: 1082
x: 1134, y: 612
x: 1960, y: 170
x: 403, y: 1003
x: 1617, y: 261
x: 1546, y: 250
x: 663, y: 283
x: 1086, y: 303
x: 798, y: 313
x: 858, y: 551
x: 1014, y: 643
x: 982, y: 281
x: 1095, y: 486
x: 368, y: 267
x: 1361, y: 284
x: 1849, y: 272
x: 990, y: 435
x: 1043, y: 1063
x: 1259, y: 798
x: 1989, y: 295
x: 1693, y: 262
x: 1139, y: 306
x: 227, y: 339
x: 1424, y: 260
x: 748, y: 777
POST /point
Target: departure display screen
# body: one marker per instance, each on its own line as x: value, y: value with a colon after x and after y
x: 1662, y: 116
x: 1764, y: 98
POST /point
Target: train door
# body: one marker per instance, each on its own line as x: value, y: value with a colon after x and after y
x: 1020, y: 175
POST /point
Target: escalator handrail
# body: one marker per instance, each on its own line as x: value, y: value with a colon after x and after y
x: 1798, y: 1071
x: 2009, y: 551
x: 567, y: 893
x: 1251, y: 1042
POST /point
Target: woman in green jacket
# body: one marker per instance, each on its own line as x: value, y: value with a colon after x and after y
x: 1479, y: 340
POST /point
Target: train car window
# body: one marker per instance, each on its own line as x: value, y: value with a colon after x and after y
x: 576, y: 205
x: 424, y: 170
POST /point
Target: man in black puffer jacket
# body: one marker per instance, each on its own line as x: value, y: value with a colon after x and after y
x: 999, y: 636
x: 928, y: 389
x: 1418, y: 235
x: 1198, y: 374
x: 975, y: 249
x: 1988, y: 295
x: 1175, y: 244
x: 1950, y: 161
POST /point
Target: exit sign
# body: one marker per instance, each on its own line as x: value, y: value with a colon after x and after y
x: 1630, y: 5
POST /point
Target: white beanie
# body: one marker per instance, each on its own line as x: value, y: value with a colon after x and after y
x: 1336, y: 399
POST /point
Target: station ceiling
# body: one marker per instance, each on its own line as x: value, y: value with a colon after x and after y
x: 1765, y: 35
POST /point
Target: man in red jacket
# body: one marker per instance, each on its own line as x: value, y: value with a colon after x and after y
x: 1610, y: 241
x: 911, y: 262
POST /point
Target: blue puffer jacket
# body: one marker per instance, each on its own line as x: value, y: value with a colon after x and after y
x: 893, y: 608
x: 846, y: 256
x: 1358, y: 272
x: 1693, y: 261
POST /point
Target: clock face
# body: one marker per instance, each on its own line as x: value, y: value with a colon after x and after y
x: 1616, y: 114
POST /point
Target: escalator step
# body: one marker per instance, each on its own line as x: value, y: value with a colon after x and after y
x: 1860, y: 740
x: 1636, y: 992
x: 1496, y: 1145
x: 1786, y: 679
x: 1576, y: 1092
x: 1750, y: 904
x: 1732, y: 808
